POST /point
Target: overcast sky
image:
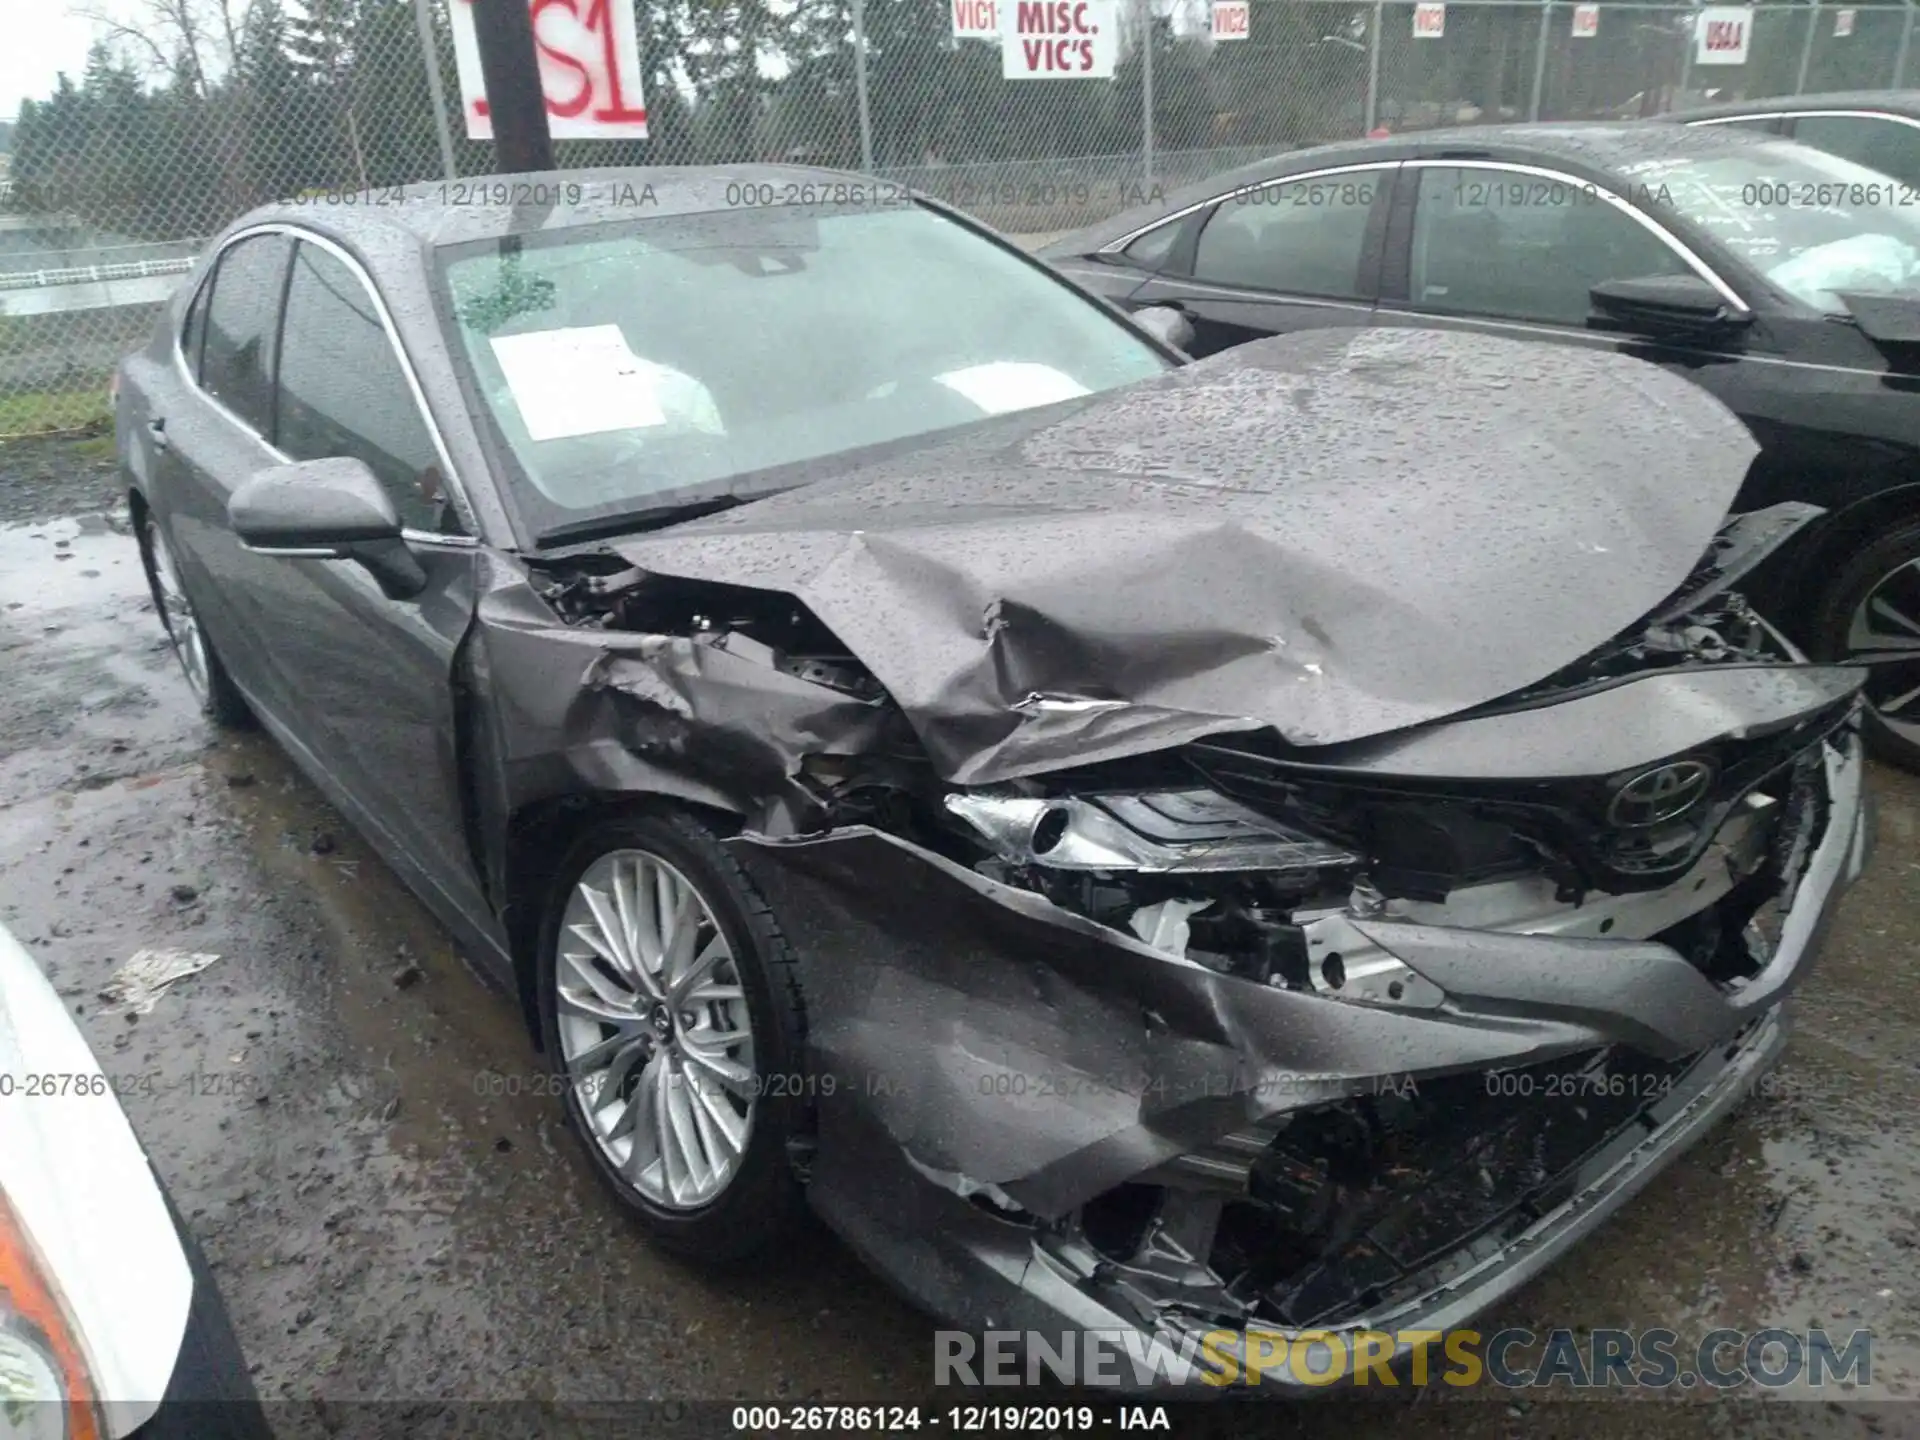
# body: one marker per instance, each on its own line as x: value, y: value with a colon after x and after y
x: 42, y: 40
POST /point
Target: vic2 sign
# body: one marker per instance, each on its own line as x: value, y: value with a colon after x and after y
x: 589, y: 69
x: 1231, y: 19
x: 1058, y: 39
x: 1721, y: 35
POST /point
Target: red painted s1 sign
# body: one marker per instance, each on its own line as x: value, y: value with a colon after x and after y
x: 589, y: 69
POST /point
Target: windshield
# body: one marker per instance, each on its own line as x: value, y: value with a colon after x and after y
x: 1812, y: 223
x: 656, y: 362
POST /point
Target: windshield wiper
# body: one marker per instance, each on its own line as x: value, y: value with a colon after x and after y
x: 633, y: 522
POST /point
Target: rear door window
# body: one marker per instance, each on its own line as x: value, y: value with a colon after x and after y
x: 1296, y: 237
x: 243, y: 321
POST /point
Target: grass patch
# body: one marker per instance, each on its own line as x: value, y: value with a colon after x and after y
x: 49, y: 412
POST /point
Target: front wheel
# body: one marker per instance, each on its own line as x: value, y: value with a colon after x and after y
x: 671, y: 1012
x: 1871, y: 617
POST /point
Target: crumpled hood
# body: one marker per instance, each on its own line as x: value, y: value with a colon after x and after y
x: 1333, y: 534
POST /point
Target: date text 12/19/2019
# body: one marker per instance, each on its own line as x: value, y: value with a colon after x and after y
x: 960, y: 1419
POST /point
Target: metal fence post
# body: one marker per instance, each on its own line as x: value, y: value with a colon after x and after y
x: 1906, y: 44
x: 1146, y: 88
x: 1686, y: 58
x: 436, y: 87
x: 860, y: 84
x: 1373, y: 66
x: 1806, y: 49
x: 1540, y: 59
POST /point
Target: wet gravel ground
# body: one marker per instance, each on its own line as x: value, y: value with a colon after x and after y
x: 347, y: 1116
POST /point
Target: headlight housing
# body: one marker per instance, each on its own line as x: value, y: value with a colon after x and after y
x: 1155, y: 832
x: 46, y: 1389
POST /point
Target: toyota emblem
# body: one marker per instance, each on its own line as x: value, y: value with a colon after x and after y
x: 1663, y: 793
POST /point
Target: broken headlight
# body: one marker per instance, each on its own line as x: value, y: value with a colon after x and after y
x: 1155, y: 832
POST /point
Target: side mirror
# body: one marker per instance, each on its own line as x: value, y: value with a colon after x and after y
x: 1165, y: 324
x: 1664, y: 305
x: 330, y: 509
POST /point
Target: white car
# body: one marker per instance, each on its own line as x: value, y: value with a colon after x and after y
x: 110, y: 1323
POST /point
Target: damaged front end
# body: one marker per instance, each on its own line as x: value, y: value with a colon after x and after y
x: 1217, y: 905
x: 1245, y: 1035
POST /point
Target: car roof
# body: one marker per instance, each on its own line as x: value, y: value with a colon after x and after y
x: 488, y: 207
x: 1590, y: 149
x: 1895, y: 102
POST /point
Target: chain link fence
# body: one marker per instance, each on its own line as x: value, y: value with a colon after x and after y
x: 200, y: 109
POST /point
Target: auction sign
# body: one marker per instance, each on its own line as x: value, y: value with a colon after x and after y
x: 1586, y: 21
x: 976, y: 20
x: 1429, y: 21
x: 1722, y: 35
x: 589, y: 56
x: 1058, y: 39
x: 1232, y: 19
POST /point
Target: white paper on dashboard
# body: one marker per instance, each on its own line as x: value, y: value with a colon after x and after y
x: 1003, y: 385
x: 579, y: 381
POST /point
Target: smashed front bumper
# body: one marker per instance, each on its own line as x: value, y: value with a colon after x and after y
x: 989, y: 1065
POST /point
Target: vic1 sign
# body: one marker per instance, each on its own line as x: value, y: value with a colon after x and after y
x: 1429, y: 21
x: 589, y: 69
x: 1721, y: 35
x: 976, y: 19
x: 1058, y: 39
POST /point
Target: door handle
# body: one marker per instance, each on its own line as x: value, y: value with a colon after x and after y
x: 157, y: 430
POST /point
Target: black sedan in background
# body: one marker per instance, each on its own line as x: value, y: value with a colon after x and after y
x: 1784, y: 280
x: 1879, y: 129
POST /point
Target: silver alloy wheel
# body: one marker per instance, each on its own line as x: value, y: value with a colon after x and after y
x: 183, y: 626
x: 654, y: 1030
x: 1885, y: 635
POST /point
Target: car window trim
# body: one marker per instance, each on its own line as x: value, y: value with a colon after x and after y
x: 1349, y: 168
x: 455, y: 486
x: 1844, y: 114
x: 1679, y: 247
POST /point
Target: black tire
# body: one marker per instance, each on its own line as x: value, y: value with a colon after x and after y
x: 762, y: 1203
x: 218, y: 697
x: 1867, y: 571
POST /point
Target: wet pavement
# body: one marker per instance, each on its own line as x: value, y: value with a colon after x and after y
x: 356, y: 1127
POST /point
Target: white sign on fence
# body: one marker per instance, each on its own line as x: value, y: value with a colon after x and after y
x: 976, y: 19
x: 1429, y: 21
x: 1232, y: 19
x: 1586, y: 21
x: 589, y: 70
x: 1721, y: 35
x: 1842, y: 24
x: 1058, y: 39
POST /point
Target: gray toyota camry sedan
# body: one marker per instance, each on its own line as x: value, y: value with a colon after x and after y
x: 1289, y: 840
